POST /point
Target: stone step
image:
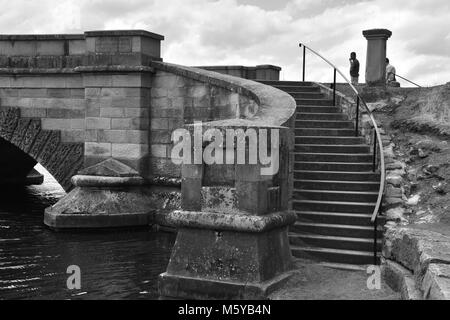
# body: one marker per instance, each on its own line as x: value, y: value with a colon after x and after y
x: 329, y: 148
x: 320, y: 116
x: 324, y: 124
x: 278, y: 83
x: 344, y: 218
x: 337, y: 230
x: 332, y: 157
x: 337, y: 185
x: 302, y: 132
x: 294, y: 89
x: 337, y: 175
x: 329, y: 140
x: 333, y: 195
x: 318, y: 109
x: 333, y: 206
x: 334, y: 255
x: 314, y: 102
x: 333, y: 242
x: 307, y: 95
x: 333, y: 166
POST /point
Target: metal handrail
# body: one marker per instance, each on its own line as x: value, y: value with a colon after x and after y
x: 408, y: 80
x: 377, y: 137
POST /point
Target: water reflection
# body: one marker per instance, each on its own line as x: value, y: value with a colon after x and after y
x: 33, y: 260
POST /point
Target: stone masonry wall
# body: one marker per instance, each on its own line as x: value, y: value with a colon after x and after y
x: 178, y: 100
x: 57, y: 99
x: 92, y: 89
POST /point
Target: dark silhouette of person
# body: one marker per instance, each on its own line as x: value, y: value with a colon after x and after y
x: 354, y: 68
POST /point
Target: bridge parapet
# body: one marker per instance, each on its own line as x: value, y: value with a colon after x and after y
x: 232, y: 238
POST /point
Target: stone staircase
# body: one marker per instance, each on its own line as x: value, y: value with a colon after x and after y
x: 335, y: 190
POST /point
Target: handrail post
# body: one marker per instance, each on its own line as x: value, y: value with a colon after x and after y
x: 374, y: 149
x: 357, y: 116
x: 375, y: 240
x: 304, y: 57
x: 334, y: 88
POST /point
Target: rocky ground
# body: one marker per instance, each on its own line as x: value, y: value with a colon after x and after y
x: 417, y: 197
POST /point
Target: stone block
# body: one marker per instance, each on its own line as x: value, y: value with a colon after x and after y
x: 436, y: 282
x: 164, y: 167
x: 91, y: 135
x: 136, y: 112
x: 33, y: 113
x: 66, y: 113
x: 92, y: 92
x: 32, y: 93
x: 123, y: 136
x: 73, y: 135
x: 130, y: 123
x: 77, y: 93
x: 252, y: 197
x: 159, y: 150
x: 160, y: 103
x: 159, y: 124
x: 112, y: 112
x: 160, y: 136
x: 98, y: 123
x: 191, y: 194
x: 129, y: 150
x: 61, y: 124
x: 97, y: 80
x: 59, y: 93
x: 97, y: 149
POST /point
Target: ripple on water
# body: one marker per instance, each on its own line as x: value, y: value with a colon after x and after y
x: 34, y: 260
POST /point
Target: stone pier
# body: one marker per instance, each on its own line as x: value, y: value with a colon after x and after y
x: 376, y: 56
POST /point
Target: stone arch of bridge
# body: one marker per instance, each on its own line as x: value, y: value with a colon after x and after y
x: 25, y: 139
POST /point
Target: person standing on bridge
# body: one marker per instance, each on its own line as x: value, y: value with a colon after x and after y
x: 390, y: 72
x: 354, y: 68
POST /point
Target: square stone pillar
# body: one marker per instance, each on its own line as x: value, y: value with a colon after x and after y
x: 235, y: 251
x: 123, y: 47
x: 376, y: 55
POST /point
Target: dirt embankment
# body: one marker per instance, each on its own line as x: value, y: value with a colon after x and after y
x: 418, y: 120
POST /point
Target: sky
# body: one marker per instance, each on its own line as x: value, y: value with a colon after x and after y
x: 252, y: 32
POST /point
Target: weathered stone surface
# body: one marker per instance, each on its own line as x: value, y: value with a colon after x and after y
x: 395, y: 214
x: 219, y: 199
x: 416, y: 249
x: 393, y: 192
x: 207, y: 264
x: 401, y: 280
x: 99, y: 208
x: 436, y: 282
x: 109, y: 168
x: 395, y: 180
x: 414, y: 200
x: 238, y: 221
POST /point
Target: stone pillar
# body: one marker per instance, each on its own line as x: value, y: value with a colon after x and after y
x: 232, y: 240
x: 376, y: 55
x: 111, y: 190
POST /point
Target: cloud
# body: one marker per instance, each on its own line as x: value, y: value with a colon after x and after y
x: 250, y: 32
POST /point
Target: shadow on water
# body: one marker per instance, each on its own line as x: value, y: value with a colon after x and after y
x: 118, y: 264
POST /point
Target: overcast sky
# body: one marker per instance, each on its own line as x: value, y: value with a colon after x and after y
x: 250, y: 32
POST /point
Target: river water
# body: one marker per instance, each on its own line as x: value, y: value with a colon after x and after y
x: 119, y: 264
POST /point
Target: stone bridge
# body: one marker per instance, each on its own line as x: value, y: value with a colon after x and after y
x: 98, y: 110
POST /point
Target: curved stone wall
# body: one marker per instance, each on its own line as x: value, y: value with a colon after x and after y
x: 181, y: 95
